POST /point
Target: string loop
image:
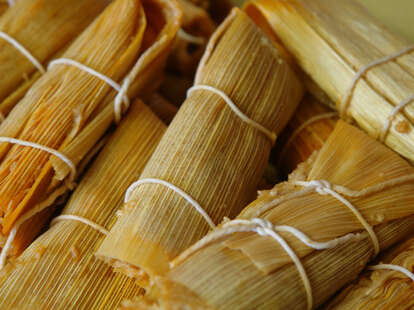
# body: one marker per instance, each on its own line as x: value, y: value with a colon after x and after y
x: 174, y: 188
x: 270, y: 134
x: 121, y: 100
x: 29, y: 56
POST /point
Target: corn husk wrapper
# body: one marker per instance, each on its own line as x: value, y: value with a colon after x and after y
x: 59, y: 269
x: 45, y: 28
x: 207, y: 151
x: 248, y: 271
x: 306, y: 132
x: 332, y: 41
x: 69, y: 109
x: 382, y: 289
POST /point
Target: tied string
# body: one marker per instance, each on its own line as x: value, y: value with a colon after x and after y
x: 321, y: 187
x: 60, y: 191
x: 174, y: 188
x: 347, y: 98
x: 121, y: 101
x: 392, y: 267
x: 265, y: 228
x: 29, y: 56
x: 324, y: 188
x: 80, y: 219
x: 271, y: 135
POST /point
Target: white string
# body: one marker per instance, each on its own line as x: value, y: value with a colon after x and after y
x: 182, y: 34
x: 373, y: 189
x: 271, y: 135
x: 346, y: 100
x: 394, y: 268
x: 54, y: 152
x: 80, y: 219
x: 174, y: 188
x: 23, y: 51
x: 266, y: 228
x: 391, y: 117
x: 120, y: 101
x: 324, y: 188
x: 37, y: 209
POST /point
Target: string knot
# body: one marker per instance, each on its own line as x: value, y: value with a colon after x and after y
x: 264, y: 225
x: 322, y: 187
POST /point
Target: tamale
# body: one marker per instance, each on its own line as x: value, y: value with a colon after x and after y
x: 69, y: 109
x: 44, y: 28
x: 306, y: 132
x: 239, y: 266
x: 209, y: 153
x: 353, y: 59
x: 382, y: 289
x: 59, y: 270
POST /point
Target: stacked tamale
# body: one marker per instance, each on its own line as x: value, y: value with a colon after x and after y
x: 184, y: 154
x: 69, y: 109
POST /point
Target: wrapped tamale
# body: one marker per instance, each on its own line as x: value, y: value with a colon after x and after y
x: 295, y: 246
x: 306, y: 132
x: 366, y: 70
x: 211, y: 159
x: 69, y: 109
x: 59, y: 269
x: 384, y: 288
x: 44, y: 28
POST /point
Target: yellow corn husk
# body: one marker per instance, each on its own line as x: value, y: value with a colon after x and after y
x: 196, y: 28
x: 59, y: 269
x: 244, y: 270
x: 306, y: 132
x: 162, y: 108
x: 208, y: 151
x: 69, y: 110
x: 382, y: 289
x: 332, y: 41
x: 45, y: 28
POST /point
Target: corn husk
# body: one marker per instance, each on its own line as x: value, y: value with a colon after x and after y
x: 45, y: 28
x: 69, y: 109
x: 382, y: 289
x: 249, y: 271
x: 207, y: 151
x: 59, y: 270
x: 306, y: 132
x: 332, y: 41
